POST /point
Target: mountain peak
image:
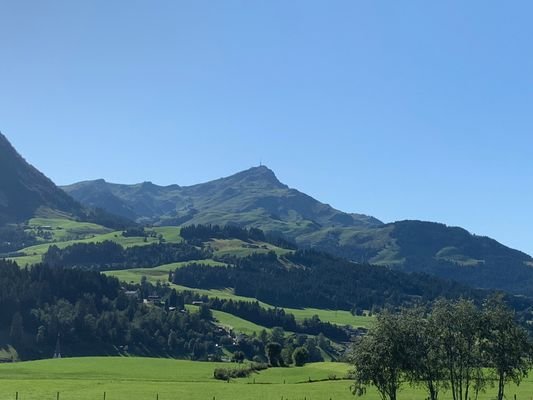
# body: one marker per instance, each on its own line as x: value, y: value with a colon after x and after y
x: 261, y: 175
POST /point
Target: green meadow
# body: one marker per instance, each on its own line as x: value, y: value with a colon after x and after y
x: 62, y: 229
x: 233, y: 322
x: 239, y: 248
x: 144, y: 378
x: 123, y: 378
x: 160, y: 273
x: 64, y: 232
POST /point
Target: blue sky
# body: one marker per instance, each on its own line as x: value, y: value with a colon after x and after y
x: 401, y: 110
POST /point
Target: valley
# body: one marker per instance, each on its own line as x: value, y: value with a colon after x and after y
x: 242, y: 272
x: 266, y: 200
x: 65, y: 232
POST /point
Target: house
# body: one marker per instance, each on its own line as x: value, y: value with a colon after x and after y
x: 154, y: 299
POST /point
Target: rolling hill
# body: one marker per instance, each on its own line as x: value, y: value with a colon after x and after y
x: 256, y: 198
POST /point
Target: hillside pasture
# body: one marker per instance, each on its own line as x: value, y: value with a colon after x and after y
x: 123, y: 378
x: 239, y: 248
x: 339, y: 317
x: 62, y: 229
x: 159, y: 273
x: 65, y: 232
x: 232, y: 322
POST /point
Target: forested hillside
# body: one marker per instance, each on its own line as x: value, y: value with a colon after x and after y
x: 256, y: 198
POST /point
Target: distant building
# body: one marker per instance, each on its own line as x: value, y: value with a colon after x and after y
x: 131, y: 293
x: 153, y: 300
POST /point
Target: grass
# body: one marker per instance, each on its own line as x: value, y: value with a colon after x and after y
x: 33, y: 254
x: 63, y: 229
x: 313, y: 372
x: 159, y: 273
x: 170, y: 233
x: 239, y: 248
x: 142, y: 378
x: 233, y: 322
x: 339, y: 317
x: 66, y: 232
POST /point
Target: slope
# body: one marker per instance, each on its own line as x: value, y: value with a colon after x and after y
x: 23, y: 189
x: 25, y: 193
x: 256, y: 198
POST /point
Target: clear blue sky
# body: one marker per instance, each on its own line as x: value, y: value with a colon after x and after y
x: 397, y: 109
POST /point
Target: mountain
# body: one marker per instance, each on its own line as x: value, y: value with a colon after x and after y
x: 23, y: 189
x: 26, y: 192
x: 256, y: 198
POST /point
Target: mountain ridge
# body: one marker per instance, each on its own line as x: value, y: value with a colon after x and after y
x: 26, y: 192
x: 24, y: 189
x: 254, y: 181
x: 256, y: 198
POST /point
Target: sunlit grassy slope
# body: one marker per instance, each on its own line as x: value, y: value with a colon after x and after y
x: 146, y: 378
x: 64, y: 232
x: 61, y: 231
x: 236, y: 247
x: 161, y: 273
x: 233, y: 322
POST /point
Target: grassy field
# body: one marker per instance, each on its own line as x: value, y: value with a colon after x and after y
x: 339, y: 317
x: 236, y: 247
x: 62, y: 229
x: 33, y: 254
x: 161, y: 273
x: 170, y: 233
x: 65, y: 232
x: 145, y: 378
x: 233, y: 322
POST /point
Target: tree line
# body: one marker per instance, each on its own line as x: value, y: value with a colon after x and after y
x: 198, y: 234
x: 277, y: 317
x: 319, y: 280
x: 111, y: 255
x: 14, y: 237
x: 453, y: 346
x: 93, y: 315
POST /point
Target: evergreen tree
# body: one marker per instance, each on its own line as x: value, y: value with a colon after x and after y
x: 16, y: 331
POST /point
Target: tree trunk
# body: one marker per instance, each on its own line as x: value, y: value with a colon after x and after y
x: 433, y: 394
x: 501, y: 386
